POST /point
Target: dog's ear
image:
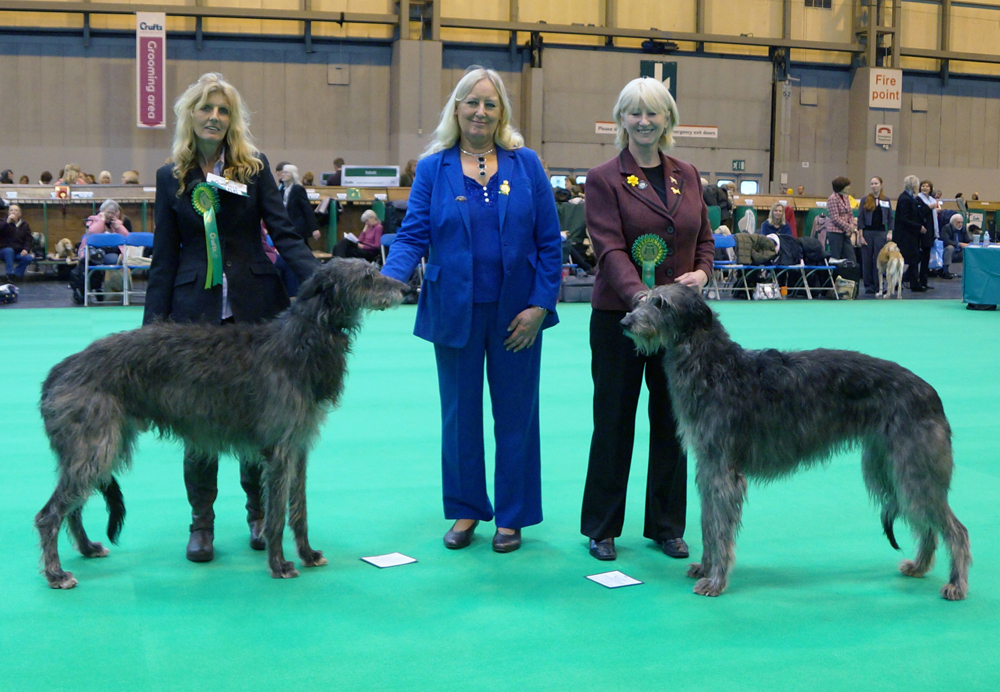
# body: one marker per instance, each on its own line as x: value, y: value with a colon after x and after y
x: 690, y: 310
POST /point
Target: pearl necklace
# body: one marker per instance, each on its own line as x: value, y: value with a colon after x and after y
x: 480, y: 158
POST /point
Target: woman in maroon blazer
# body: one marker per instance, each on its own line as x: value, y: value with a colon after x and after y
x: 640, y: 203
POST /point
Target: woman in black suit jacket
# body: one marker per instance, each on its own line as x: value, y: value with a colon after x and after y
x: 913, y: 218
x: 211, y: 138
x: 296, y: 200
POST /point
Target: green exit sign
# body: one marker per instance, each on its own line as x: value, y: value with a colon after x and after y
x: 739, y: 165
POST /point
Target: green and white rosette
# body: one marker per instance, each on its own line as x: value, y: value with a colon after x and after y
x: 206, y: 202
x: 649, y: 251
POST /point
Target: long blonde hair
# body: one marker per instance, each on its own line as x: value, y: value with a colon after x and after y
x: 448, y: 132
x: 242, y: 157
x: 654, y: 95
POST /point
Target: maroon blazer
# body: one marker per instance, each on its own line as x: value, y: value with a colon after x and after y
x: 618, y: 213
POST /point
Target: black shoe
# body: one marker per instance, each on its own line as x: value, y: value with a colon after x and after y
x: 77, y: 296
x: 918, y: 289
x: 257, y: 541
x: 675, y: 547
x: 870, y: 291
x: 603, y: 549
x: 455, y: 540
x: 506, y: 543
x: 947, y: 277
x: 928, y: 288
x: 199, y: 548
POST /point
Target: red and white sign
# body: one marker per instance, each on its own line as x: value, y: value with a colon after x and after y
x: 885, y: 88
x: 883, y: 135
x: 151, y: 69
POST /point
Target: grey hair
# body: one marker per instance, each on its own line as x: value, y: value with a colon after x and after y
x: 956, y: 216
x: 294, y: 170
x: 109, y: 205
x: 911, y: 183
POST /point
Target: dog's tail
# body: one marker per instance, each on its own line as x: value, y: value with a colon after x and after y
x: 889, y: 515
x: 116, y: 509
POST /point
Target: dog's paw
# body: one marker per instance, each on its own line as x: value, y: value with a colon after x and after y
x: 63, y: 581
x: 285, y: 570
x: 92, y: 549
x: 909, y: 568
x: 705, y: 587
x: 314, y: 558
x: 954, y: 592
x: 696, y: 571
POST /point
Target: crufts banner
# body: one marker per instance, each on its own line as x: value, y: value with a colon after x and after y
x: 150, y: 69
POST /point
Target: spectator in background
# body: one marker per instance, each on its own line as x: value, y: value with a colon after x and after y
x: 408, y: 174
x: 104, y: 178
x: 70, y: 175
x: 25, y: 180
x: 912, y: 220
x: 876, y: 222
x: 130, y: 178
x: 368, y: 244
x: 955, y: 239
x: 7, y: 177
x: 717, y: 197
x: 975, y: 196
x: 841, y: 226
x: 46, y: 178
x: 333, y: 180
x: 296, y: 201
x: 775, y: 221
x: 928, y: 234
x: 15, y: 243
x: 88, y: 179
x: 801, y: 191
x: 308, y: 178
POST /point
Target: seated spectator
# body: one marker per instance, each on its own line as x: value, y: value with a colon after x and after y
x: 7, y: 177
x: 333, y: 180
x: 308, y: 178
x: 104, y: 178
x: 88, y: 179
x: 108, y: 220
x: 24, y: 180
x: 955, y: 239
x: 716, y: 197
x: 408, y: 174
x: 69, y: 175
x: 15, y: 244
x: 367, y: 246
x: 775, y: 222
x: 130, y: 178
x: 45, y: 178
x: 975, y: 196
x: 801, y: 190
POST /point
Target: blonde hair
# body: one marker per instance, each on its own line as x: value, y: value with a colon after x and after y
x: 242, y: 157
x: 101, y: 177
x: 777, y: 206
x: 651, y: 93
x: 294, y: 170
x: 448, y: 132
x: 130, y: 177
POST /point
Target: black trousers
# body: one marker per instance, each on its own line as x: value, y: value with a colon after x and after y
x: 201, y: 474
x: 924, y: 258
x: 618, y: 371
x: 869, y: 257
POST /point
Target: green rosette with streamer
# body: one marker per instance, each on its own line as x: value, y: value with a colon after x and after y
x: 649, y: 251
x: 206, y: 202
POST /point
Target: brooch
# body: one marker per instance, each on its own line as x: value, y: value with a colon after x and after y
x: 673, y: 180
x: 505, y: 188
x: 460, y: 198
x: 632, y: 180
x: 675, y: 190
x: 643, y: 185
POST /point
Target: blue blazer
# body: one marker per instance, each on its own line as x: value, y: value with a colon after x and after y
x: 437, y: 223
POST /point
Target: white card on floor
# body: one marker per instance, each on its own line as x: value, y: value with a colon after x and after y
x: 613, y: 580
x: 390, y: 560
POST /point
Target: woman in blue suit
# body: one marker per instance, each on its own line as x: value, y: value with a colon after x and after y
x: 482, y: 208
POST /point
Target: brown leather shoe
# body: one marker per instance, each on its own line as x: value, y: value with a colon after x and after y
x: 506, y: 543
x: 257, y: 541
x: 455, y: 540
x: 199, y: 548
x: 675, y: 547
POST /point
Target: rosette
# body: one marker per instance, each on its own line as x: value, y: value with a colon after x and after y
x: 206, y: 202
x: 649, y: 251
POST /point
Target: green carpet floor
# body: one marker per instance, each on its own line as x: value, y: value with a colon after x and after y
x: 815, y: 601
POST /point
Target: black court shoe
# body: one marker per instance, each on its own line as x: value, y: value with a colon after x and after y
x: 506, y: 543
x: 454, y: 540
x: 199, y: 547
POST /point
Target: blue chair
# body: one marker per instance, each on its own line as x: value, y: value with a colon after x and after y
x: 729, y: 272
x: 102, y: 241
x: 131, y: 261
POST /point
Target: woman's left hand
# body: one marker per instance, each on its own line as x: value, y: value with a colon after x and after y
x: 696, y: 279
x: 524, y: 328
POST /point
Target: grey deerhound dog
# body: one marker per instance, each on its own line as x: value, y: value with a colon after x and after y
x: 259, y: 391
x: 765, y: 414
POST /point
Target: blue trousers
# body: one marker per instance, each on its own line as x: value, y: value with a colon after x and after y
x: 513, y: 380
x: 9, y: 257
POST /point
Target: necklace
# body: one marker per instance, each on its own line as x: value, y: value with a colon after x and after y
x: 480, y: 159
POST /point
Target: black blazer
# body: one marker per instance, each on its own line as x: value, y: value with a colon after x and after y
x: 911, y: 214
x: 176, y: 287
x: 300, y: 212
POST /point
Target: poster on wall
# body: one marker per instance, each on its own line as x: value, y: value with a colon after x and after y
x: 150, y: 69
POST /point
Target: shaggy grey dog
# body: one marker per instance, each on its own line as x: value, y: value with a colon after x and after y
x: 259, y: 391
x: 765, y: 414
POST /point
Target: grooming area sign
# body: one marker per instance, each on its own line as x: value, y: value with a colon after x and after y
x: 150, y: 69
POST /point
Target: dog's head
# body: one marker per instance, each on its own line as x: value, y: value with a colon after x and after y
x: 890, y: 247
x: 664, y: 316
x: 340, y: 289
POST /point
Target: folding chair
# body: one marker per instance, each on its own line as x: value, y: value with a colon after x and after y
x: 103, y: 240
x: 728, y: 270
x: 130, y: 261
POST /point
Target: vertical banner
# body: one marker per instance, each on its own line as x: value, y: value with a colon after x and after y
x: 150, y: 69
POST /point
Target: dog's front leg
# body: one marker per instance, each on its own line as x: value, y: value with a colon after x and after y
x: 277, y: 467
x: 722, y: 491
x: 297, y: 514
